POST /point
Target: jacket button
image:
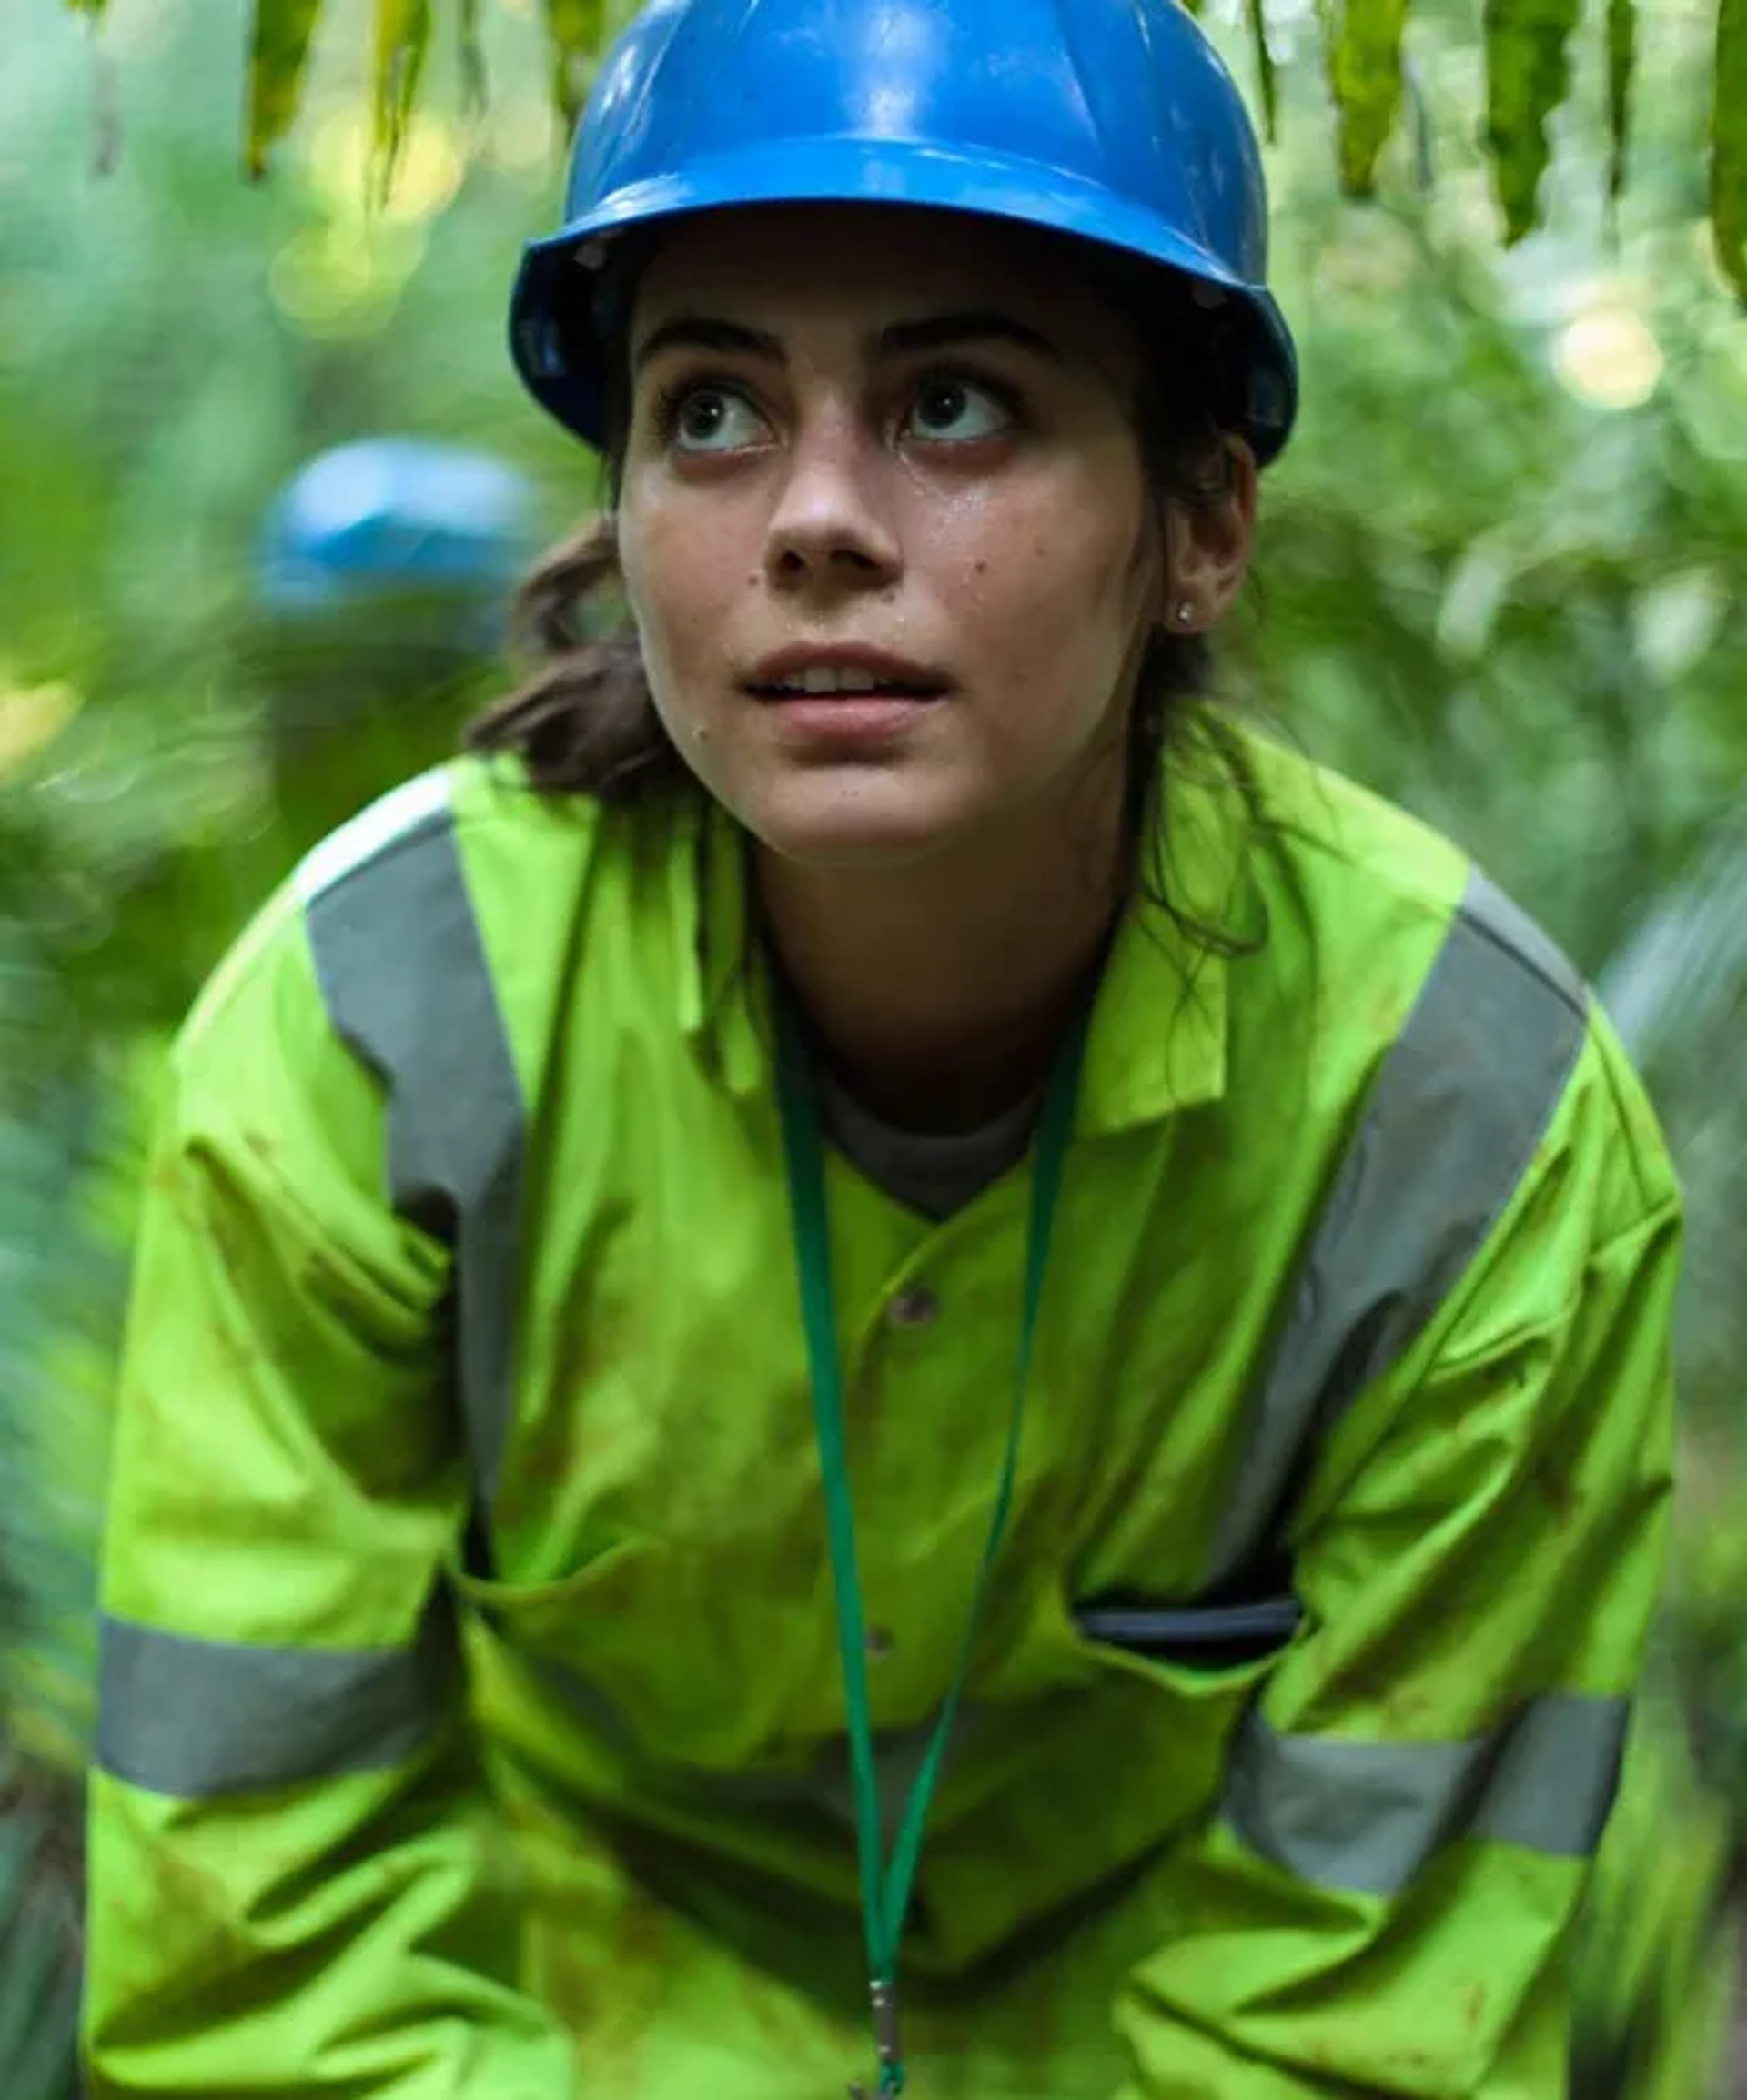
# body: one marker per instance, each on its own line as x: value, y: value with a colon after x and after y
x: 878, y: 1642
x: 914, y: 1306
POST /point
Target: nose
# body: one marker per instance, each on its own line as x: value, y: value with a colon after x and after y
x: 828, y: 529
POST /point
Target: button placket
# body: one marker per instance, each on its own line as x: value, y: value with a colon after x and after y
x: 912, y: 1306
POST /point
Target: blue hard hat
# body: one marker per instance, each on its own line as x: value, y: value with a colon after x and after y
x: 385, y: 515
x: 1113, y: 120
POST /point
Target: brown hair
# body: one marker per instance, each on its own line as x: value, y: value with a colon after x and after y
x: 584, y: 722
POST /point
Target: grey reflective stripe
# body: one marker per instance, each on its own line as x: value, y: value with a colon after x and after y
x: 1367, y: 1816
x: 404, y: 974
x: 198, y: 1717
x: 1463, y: 1098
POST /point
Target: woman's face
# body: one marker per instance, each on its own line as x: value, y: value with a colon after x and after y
x: 884, y: 524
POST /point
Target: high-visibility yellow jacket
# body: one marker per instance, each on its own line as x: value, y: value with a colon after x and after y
x: 471, y: 1711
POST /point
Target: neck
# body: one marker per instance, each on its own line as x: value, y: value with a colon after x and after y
x: 938, y: 991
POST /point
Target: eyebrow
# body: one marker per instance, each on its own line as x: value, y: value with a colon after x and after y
x: 901, y: 339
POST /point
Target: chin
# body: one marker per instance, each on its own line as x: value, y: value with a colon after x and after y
x: 883, y: 822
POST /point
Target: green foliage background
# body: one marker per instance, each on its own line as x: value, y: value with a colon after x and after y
x: 1528, y: 68
x: 1500, y: 580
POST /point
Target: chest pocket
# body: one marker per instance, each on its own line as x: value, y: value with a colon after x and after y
x: 1206, y: 1637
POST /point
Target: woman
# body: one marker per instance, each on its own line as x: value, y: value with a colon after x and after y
x: 865, y: 1148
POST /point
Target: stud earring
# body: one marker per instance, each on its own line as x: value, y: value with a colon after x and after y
x: 1185, y: 611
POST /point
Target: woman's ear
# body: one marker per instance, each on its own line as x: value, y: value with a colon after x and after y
x: 1207, y: 545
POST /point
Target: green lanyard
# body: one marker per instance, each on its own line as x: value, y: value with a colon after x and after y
x: 885, y: 1888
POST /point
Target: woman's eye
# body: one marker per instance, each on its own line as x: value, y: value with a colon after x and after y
x: 712, y: 419
x: 957, y: 412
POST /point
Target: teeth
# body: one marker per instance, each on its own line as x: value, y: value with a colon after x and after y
x: 826, y: 681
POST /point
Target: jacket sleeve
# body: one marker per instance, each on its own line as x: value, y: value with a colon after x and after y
x: 1382, y: 1903
x: 296, y: 1880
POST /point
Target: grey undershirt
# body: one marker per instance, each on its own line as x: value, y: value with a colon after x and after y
x: 929, y: 1172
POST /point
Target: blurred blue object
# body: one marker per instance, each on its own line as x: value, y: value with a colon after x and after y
x: 384, y: 517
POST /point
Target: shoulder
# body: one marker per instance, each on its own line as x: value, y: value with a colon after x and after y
x: 481, y: 814
x: 1348, y: 856
x: 422, y: 955
x: 1362, y: 937
x: 1487, y: 1079
x: 1358, y: 892
x: 463, y: 870
x: 1471, y: 1167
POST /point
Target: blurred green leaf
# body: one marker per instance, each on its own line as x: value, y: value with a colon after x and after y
x: 1676, y: 619
x: 472, y: 62
x: 1623, y: 26
x: 1528, y: 76
x: 577, y: 29
x: 1649, y: 1988
x: 1729, y: 144
x: 1478, y: 584
x: 278, y: 55
x: 1364, y: 62
x: 402, y: 41
x: 1257, y: 12
x: 39, y: 1940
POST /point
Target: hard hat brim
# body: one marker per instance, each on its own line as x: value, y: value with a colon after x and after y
x: 564, y: 369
